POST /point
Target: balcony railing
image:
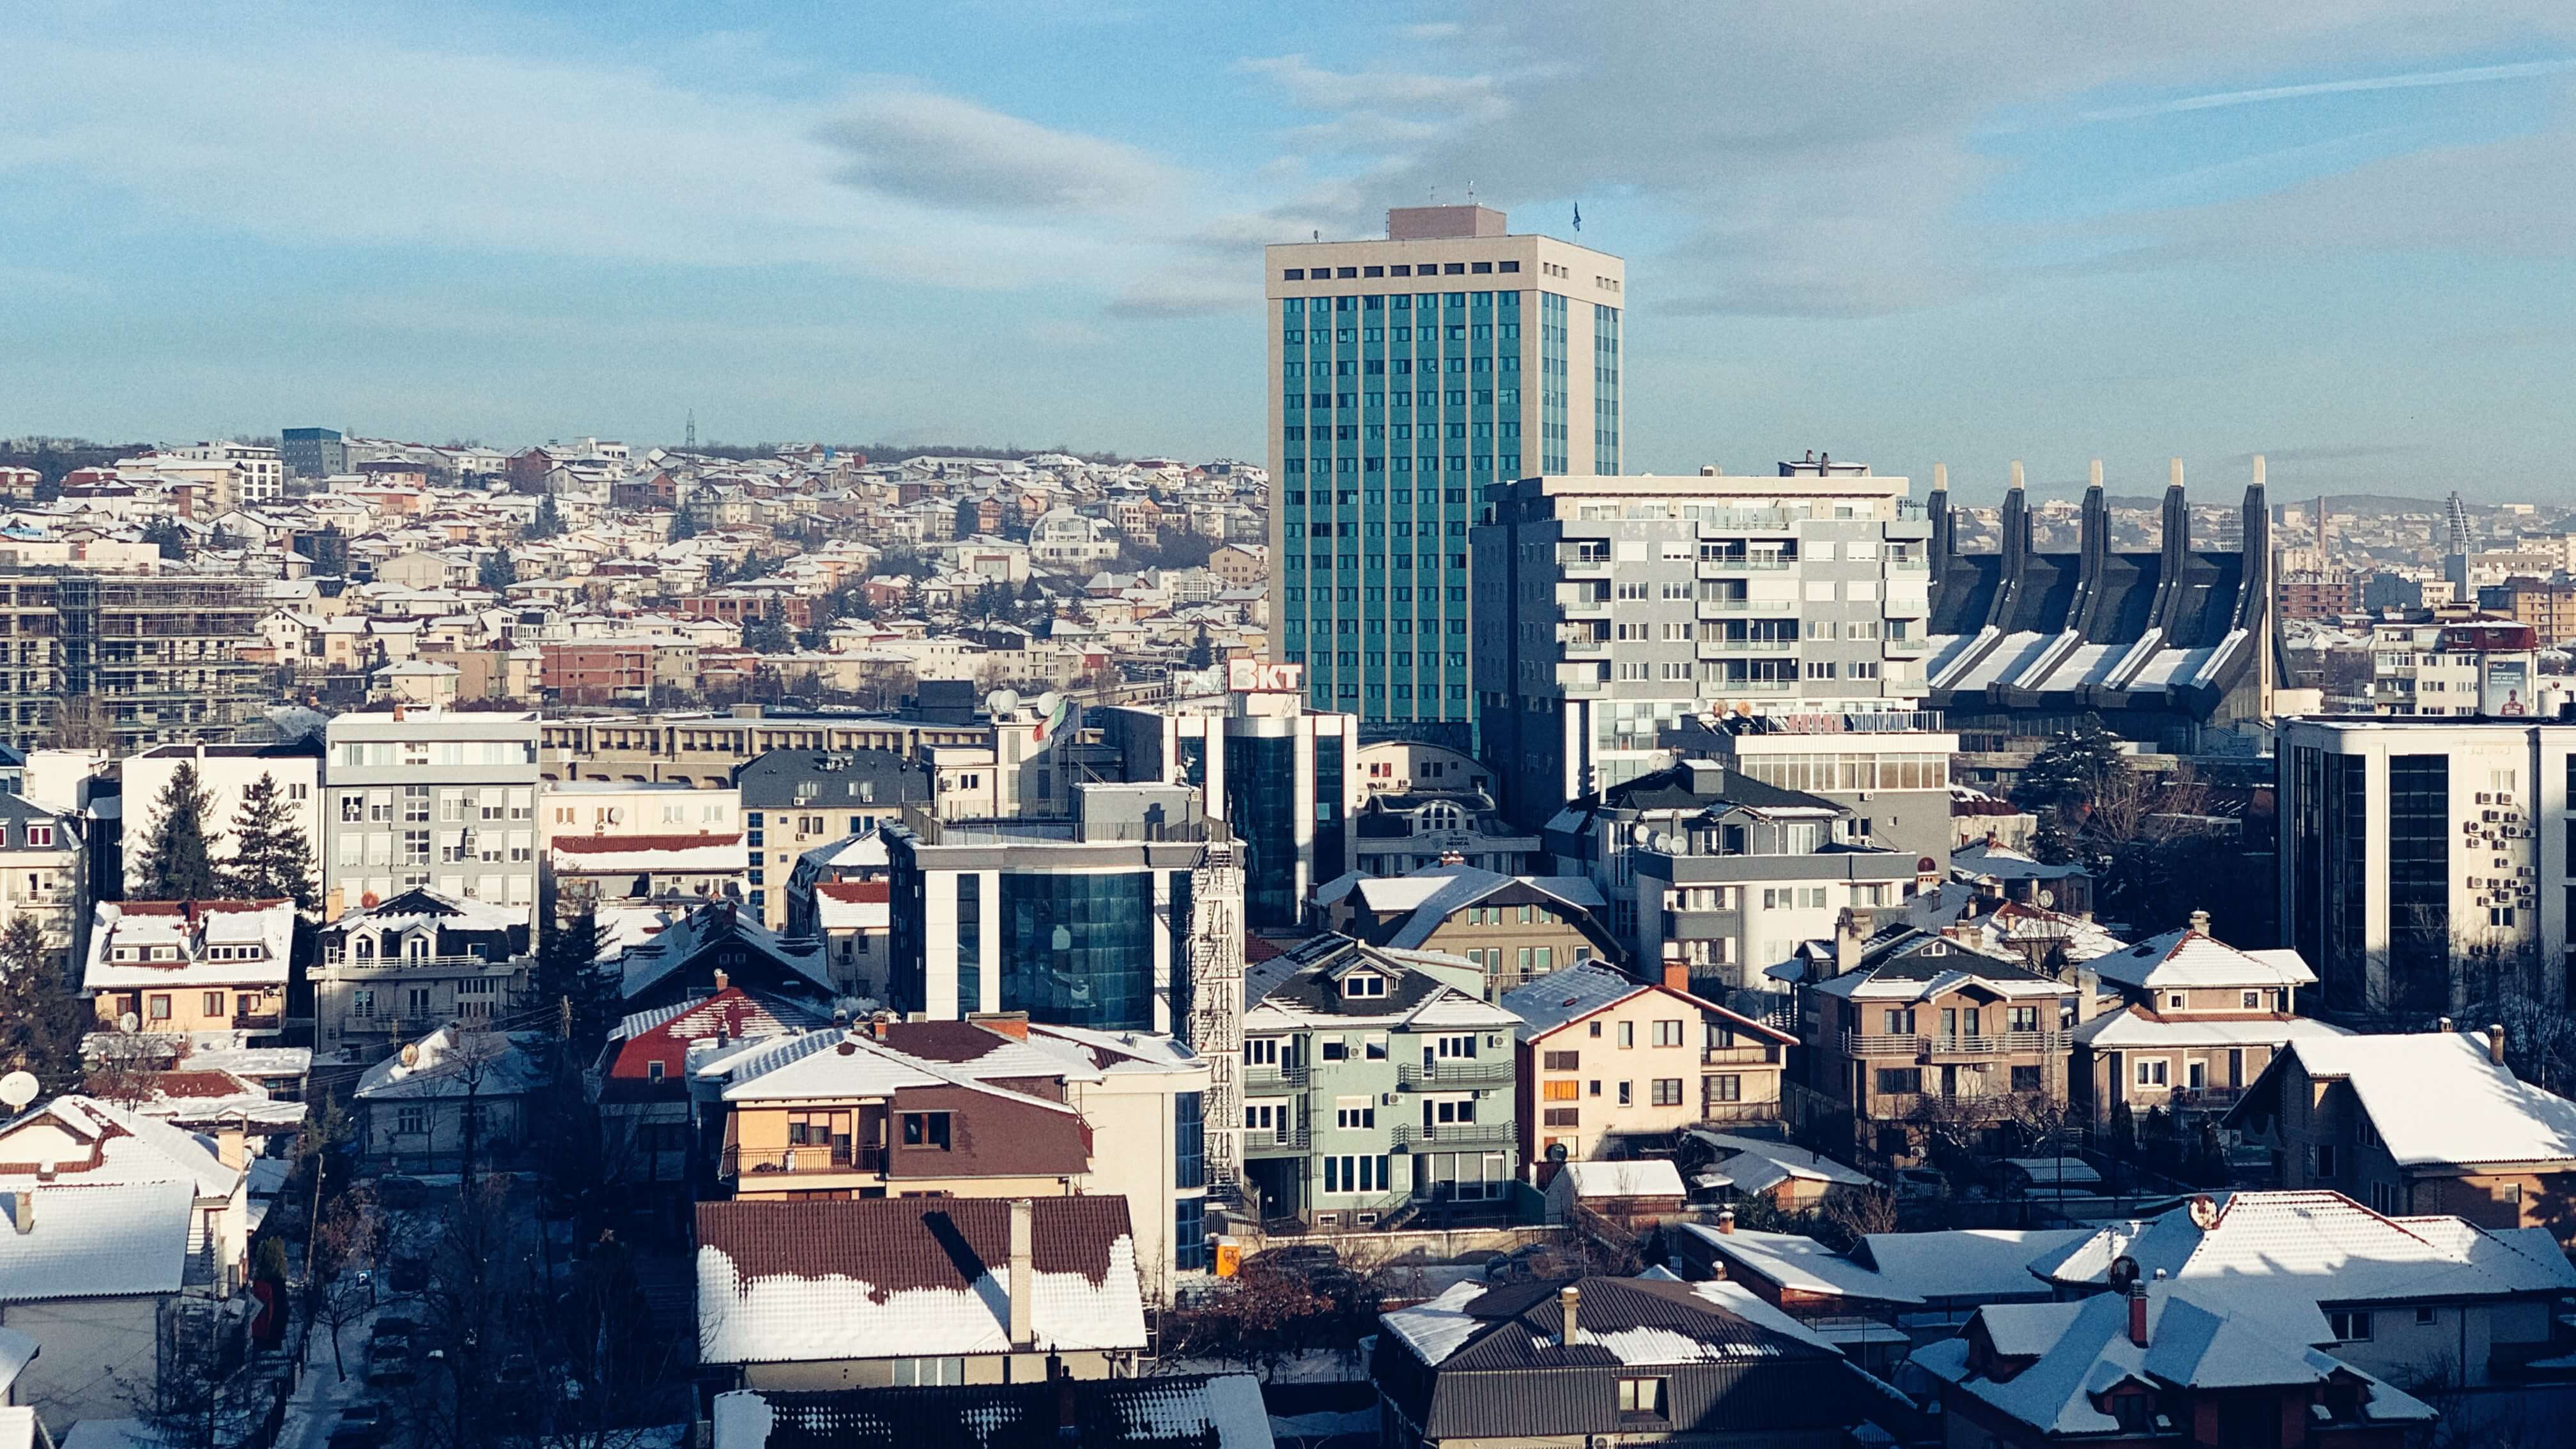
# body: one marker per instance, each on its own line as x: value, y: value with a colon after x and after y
x: 258, y: 1020
x: 1745, y: 606
x: 1258, y: 1075
x: 1453, y: 1134
x: 838, y: 1157
x: 1735, y: 1114
x: 1754, y: 563
x: 1880, y: 1044
x: 1746, y: 646
x: 342, y: 962
x: 1460, y: 1072
x: 1274, y: 1141
x: 1739, y: 1056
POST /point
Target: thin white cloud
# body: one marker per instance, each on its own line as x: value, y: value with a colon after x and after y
x: 2462, y: 76
x: 945, y: 151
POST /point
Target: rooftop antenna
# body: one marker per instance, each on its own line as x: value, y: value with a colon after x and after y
x: 692, y: 444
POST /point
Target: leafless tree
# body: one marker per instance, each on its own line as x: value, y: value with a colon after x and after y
x: 1851, y: 1214
x: 347, y: 1247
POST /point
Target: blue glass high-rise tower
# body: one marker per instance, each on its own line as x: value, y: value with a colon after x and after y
x: 1406, y: 375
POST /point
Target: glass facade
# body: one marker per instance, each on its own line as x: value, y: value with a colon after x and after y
x: 2419, y: 882
x: 1078, y: 950
x: 970, y: 944
x: 2330, y: 900
x: 1184, y: 997
x: 1395, y: 408
x: 1189, y: 1234
x: 1605, y: 391
x: 1189, y: 1142
x: 1261, y: 796
x: 1555, y: 398
x: 907, y: 949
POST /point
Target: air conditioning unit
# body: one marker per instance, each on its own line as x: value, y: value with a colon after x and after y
x: 2482, y: 799
x: 1386, y: 1099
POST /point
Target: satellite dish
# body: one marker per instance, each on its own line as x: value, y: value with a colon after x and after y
x: 18, y: 1089
x: 129, y: 1022
x: 1639, y: 834
x: 1663, y: 842
x: 1002, y: 701
x: 2047, y: 900
x: 1047, y: 703
x: 410, y: 1055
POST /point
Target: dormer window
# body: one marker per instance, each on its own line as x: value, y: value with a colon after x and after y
x: 653, y: 1071
x: 1363, y: 983
x: 40, y: 837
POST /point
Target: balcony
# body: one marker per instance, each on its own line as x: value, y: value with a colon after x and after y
x: 839, y: 1157
x: 1585, y: 647
x: 1453, y: 1134
x: 1711, y: 568
x: 1740, y: 1056
x: 1277, y: 1142
x: 2008, y: 1043
x: 1710, y: 607
x: 1737, y: 1114
x: 1729, y: 687
x: 1455, y: 1073
x: 1746, y: 646
x: 258, y: 1021
x: 1259, y: 1076
x: 361, y: 967
x: 1584, y: 566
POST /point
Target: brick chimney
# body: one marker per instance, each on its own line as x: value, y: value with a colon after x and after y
x: 2495, y: 1044
x: 1676, y: 970
x: 228, y: 1148
x: 1726, y: 1220
x: 2200, y: 922
x: 1012, y: 1024
x: 1023, y: 1271
x: 1569, y: 1300
x: 2138, y: 1314
x: 722, y: 981
x: 23, y: 1209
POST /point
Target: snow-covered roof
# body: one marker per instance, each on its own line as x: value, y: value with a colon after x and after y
x: 1982, y: 1264
x: 2272, y: 1248
x: 1756, y: 1164
x: 95, y: 1240
x: 2436, y: 1098
x: 450, y: 1062
x: 786, y: 1282
x: 2187, y: 958
x: 1551, y: 1002
x: 2083, y: 1349
x: 1796, y: 1261
x: 199, y: 943
x: 91, y: 1142
x: 619, y: 854
x: 2127, y: 1029
x: 1632, y: 1177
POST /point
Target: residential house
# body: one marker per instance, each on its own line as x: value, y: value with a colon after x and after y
x: 690, y: 956
x: 1910, y: 1031
x: 632, y: 870
x: 1566, y: 1365
x: 1516, y: 927
x: 453, y: 1100
x: 795, y: 800
x: 2421, y: 1299
x: 1608, y: 1063
x: 2426, y: 1122
x: 640, y: 1084
x: 44, y: 874
x: 1731, y: 1167
x: 121, y: 1232
x: 407, y: 966
x: 2155, y: 1365
x: 2198, y: 1021
x: 1375, y: 1080
x: 911, y: 1292
x: 1633, y: 1194
x: 194, y: 968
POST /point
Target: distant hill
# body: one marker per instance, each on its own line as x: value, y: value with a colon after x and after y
x: 54, y: 457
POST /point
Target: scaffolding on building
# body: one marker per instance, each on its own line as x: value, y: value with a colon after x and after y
x: 159, y: 658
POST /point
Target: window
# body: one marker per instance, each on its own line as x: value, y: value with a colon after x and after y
x: 157, y: 1007
x: 1641, y: 1398
x: 1268, y: 1119
x: 2136, y: 1413
x: 928, y: 1372
x: 1899, y: 1081
x: 926, y: 1129
x: 2026, y: 1079
x: 1627, y: 1095
x: 1726, y: 1088
x: 2349, y: 1325
x: 213, y: 1005
x: 2325, y: 1159
x: 2253, y: 1000
x: 1668, y: 1033
x: 2383, y: 1200
x: 411, y: 1120
x: 1364, y: 983
x: 1562, y: 1061
x: 1349, y: 1173
x: 1332, y: 1049
x: 1261, y: 1051
x: 1561, y: 1091
x: 2150, y: 1072
x: 1668, y: 1091
x: 1352, y: 1113
x: 2424, y: 1315
x: 39, y: 836
x: 1627, y: 1034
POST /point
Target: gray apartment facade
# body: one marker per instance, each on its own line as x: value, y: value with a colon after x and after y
x: 423, y: 798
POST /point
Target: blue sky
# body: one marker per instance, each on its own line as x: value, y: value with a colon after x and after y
x: 2338, y: 234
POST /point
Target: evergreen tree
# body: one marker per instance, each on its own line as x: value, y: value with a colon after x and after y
x: 567, y: 971
x: 177, y: 860
x: 330, y: 552
x: 41, y: 1017
x: 1202, y: 653
x: 682, y: 525
x: 271, y: 856
x: 493, y: 571
x: 549, y: 520
x: 166, y: 535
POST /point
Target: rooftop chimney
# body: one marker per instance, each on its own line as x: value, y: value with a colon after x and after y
x: 1851, y: 932
x: 228, y: 1148
x: 2200, y: 922
x: 2495, y: 1045
x: 722, y: 980
x: 1023, y: 1270
x: 2088, y: 985
x: 2445, y: 1027
x: 24, y: 1209
x: 1012, y: 1024
x: 1676, y: 974
x: 2138, y: 1314
x: 1726, y: 1220
x: 1568, y: 1300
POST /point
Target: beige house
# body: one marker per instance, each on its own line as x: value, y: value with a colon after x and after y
x: 198, y: 968
x: 2193, y: 1022
x: 2426, y: 1122
x: 1516, y: 928
x: 1605, y: 1057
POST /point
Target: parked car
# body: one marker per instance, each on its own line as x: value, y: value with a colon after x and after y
x: 1920, y: 1184
x: 389, y: 1373
x: 392, y: 1346
x: 388, y: 1325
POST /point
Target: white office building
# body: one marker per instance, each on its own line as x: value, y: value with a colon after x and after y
x: 423, y: 798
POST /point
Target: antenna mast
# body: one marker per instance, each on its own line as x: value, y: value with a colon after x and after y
x: 692, y: 444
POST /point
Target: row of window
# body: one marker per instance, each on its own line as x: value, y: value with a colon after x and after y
x: 1400, y: 269
x: 1376, y: 432
x: 1377, y: 594
x: 1324, y: 402
x: 1663, y: 1091
x: 1454, y: 332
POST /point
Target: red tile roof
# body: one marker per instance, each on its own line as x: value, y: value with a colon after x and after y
x: 862, y: 891
x: 899, y: 1243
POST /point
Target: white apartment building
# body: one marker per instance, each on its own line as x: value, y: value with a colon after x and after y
x: 1407, y: 374
x: 223, y: 772
x: 1611, y: 609
x: 626, y: 808
x: 2424, y: 864
x: 259, y: 473
x: 423, y: 798
x: 2467, y: 667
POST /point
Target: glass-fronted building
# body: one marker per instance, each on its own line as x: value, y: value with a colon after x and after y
x: 1407, y: 374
